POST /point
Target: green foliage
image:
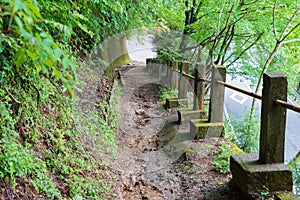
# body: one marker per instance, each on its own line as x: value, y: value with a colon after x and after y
x: 59, y: 147
x: 241, y: 34
x: 40, y: 138
x: 99, y: 126
x: 239, y: 133
x: 170, y: 14
x: 166, y: 54
x: 165, y: 93
x: 28, y: 51
x: 222, y: 159
x: 168, y: 44
x: 295, y: 166
x: 15, y: 159
x: 42, y: 181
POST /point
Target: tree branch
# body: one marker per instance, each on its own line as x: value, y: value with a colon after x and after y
x: 11, y: 96
x: 198, y: 8
x: 230, y: 12
x: 251, y: 45
x: 220, y: 14
x: 10, y: 22
x: 223, y: 44
x: 228, y: 44
x: 291, y: 41
x: 282, y: 37
x: 289, y: 32
x: 274, y: 20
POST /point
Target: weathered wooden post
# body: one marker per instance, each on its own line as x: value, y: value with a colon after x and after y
x: 253, y: 173
x: 213, y: 126
x: 164, y: 67
x: 172, y: 102
x: 148, y: 63
x: 168, y: 67
x: 160, y: 70
x: 216, y: 106
x: 198, y: 102
x: 183, y: 83
x: 173, y: 80
x: 273, y: 118
x: 169, y: 72
x: 152, y: 68
x: 156, y: 68
x: 199, y: 87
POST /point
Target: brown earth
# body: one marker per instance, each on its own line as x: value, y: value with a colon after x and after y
x: 157, y: 158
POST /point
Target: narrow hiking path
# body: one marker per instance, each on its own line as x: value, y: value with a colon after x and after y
x: 152, y: 162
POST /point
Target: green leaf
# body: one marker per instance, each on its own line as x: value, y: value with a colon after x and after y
x: 48, y: 62
x: 56, y: 73
x: 1, y: 49
x: 31, y: 54
x: 57, y: 53
x: 66, y: 62
x: 34, y: 10
x: 20, y: 57
x: 48, y: 43
x: 44, y: 35
x: 18, y: 5
x: 38, y: 68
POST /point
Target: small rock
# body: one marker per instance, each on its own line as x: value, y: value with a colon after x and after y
x: 140, y: 112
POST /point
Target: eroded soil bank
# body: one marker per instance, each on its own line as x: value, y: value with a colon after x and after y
x: 157, y: 158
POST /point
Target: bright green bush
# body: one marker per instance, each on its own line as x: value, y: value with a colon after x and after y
x: 221, y: 160
x: 244, y: 133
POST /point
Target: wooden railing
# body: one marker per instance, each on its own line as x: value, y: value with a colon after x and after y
x: 274, y: 101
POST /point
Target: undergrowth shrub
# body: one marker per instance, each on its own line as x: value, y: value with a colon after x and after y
x: 244, y: 133
x: 221, y: 160
x: 166, y: 92
x: 49, y: 148
x: 295, y: 166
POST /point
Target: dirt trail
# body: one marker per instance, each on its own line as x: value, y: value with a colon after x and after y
x: 151, y: 160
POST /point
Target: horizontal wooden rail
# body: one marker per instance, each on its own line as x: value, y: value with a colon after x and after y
x: 192, y: 77
x: 188, y: 76
x: 287, y: 105
x: 185, y: 74
x: 204, y: 80
x: 252, y: 94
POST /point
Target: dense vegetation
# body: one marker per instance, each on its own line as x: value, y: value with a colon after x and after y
x: 249, y: 37
x: 47, y: 142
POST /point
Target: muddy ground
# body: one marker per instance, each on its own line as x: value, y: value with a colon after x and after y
x: 157, y: 157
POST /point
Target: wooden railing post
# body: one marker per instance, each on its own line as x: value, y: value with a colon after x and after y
x: 199, y: 87
x: 173, y: 75
x: 183, y: 82
x: 273, y: 118
x: 149, y: 63
x: 157, y: 68
x: 169, y: 72
x: 154, y: 66
x: 160, y: 69
x: 168, y: 68
x: 253, y: 173
x: 217, y: 91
